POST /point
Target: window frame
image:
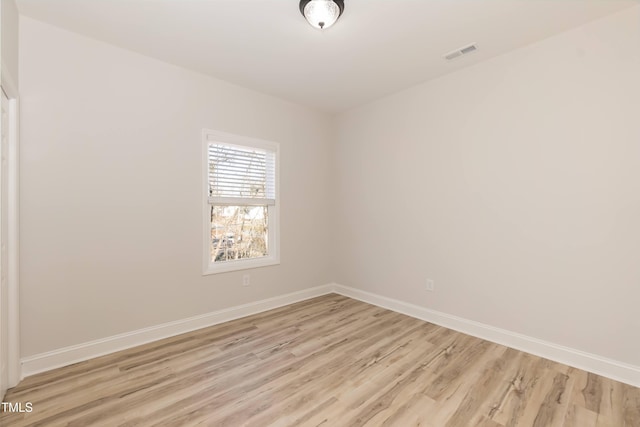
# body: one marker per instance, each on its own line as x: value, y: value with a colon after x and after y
x: 273, y: 218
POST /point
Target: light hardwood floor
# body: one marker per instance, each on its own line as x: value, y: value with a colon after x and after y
x: 328, y: 361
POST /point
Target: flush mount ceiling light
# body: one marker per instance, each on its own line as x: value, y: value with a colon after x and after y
x: 321, y: 13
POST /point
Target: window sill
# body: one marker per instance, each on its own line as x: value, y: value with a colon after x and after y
x: 243, y: 264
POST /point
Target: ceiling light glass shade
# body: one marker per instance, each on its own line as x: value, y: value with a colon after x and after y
x: 321, y: 13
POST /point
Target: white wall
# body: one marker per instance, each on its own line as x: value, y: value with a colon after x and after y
x: 111, y: 190
x: 9, y: 19
x: 514, y: 184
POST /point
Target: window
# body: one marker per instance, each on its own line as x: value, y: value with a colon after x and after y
x: 241, y: 202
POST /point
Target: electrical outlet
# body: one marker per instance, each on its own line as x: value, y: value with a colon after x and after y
x: 430, y: 285
x: 246, y: 280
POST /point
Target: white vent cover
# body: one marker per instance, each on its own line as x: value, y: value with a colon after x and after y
x: 459, y: 52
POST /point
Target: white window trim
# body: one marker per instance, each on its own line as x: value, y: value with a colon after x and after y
x: 273, y: 258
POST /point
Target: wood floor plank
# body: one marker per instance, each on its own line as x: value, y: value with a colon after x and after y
x: 631, y: 406
x: 478, y: 402
x: 577, y: 416
x: 327, y: 361
x: 553, y: 408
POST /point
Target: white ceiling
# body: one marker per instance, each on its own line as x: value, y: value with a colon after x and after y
x: 376, y: 48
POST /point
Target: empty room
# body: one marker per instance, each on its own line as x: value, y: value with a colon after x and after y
x: 320, y: 213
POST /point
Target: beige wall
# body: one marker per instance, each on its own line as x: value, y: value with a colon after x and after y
x: 514, y: 184
x: 9, y: 19
x: 111, y: 210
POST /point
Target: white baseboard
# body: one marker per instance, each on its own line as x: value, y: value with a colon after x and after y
x: 609, y: 368
x: 77, y: 353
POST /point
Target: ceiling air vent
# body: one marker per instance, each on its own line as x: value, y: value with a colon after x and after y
x: 459, y: 52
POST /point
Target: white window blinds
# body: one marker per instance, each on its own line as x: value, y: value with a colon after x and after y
x: 241, y: 175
